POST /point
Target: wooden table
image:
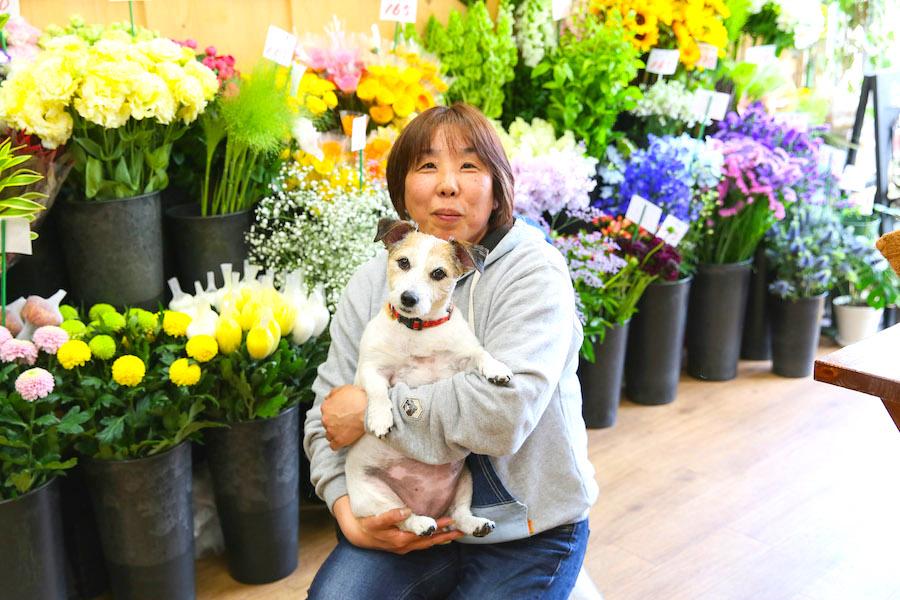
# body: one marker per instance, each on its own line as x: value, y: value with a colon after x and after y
x: 871, y: 366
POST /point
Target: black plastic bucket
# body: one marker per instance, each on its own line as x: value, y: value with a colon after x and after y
x: 601, y: 381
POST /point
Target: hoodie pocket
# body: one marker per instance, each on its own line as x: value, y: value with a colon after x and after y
x: 491, y: 500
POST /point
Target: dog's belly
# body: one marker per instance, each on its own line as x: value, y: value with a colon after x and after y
x: 422, y: 370
x: 426, y: 489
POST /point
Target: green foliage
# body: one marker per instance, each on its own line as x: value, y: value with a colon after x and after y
x: 33, y: 437
x: 734, y: 239
x: 752, y: 82
x: 589, y: 82
x: 23, y: 205
x: 477, y: 55
x: 253, y: 122
x: 763, y: 28
x: 739, y: 12
x: 244, y: 389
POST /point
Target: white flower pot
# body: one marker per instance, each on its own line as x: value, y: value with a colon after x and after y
x: 855, y: 323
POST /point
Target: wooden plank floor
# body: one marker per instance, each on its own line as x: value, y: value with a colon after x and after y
x: 762, y: 487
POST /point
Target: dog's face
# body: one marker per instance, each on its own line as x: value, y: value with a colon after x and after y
x: 422, y: 269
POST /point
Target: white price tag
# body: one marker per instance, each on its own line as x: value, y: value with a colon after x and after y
x: 358, y: 133
x: 832, y: 159
x: 561, y: 9
x: 709, y: 56
x: 18, y: 235
x: 297, y: 71
x: 672, y: 230
x: 280, y: 46
x: 11, y: 7
x: 662, y: 62
x: 708, y: 103
x: 760, y: 55
x: 644, y: 213
x: 402, y: 11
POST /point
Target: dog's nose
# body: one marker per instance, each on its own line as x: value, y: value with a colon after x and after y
x: 408, y: 299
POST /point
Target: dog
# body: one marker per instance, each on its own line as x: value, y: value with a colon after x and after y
x: 417, y: 338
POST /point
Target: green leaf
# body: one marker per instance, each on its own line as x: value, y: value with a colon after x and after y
x: 91, y: 147
x: 271, y: 406
x: 59, y: 466
x: 115, y: 427
x: 22, y: 481
x: 93, y: 177
x: 122, y: 174
x: 47, y: 420
x: 71, y: 423
x: 4, y: 441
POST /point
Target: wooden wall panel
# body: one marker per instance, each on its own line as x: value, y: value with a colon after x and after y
x: 236, y: 27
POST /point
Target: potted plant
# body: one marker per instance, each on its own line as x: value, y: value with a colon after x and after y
x: 870, y: 284
x: 34, y: 432
x: 757, y: 182
x: 135, y: 448
x: 609, y: 278
x: 803, y: 250
x: 257, y: 369
x: 674, y: 173
x: 241, y: 132
x: 119, y: 102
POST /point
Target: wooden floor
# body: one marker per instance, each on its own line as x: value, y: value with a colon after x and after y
x: 762, y: 487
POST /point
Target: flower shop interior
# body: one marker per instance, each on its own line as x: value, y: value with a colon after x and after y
x: 187, y: 187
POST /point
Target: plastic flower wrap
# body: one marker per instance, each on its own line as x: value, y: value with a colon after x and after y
x: 338, y: 57
x: 336, y: 224
x: 553, y: 176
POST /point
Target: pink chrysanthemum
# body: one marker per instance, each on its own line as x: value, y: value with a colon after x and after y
x: 49, y: 338
x: 5, y: 335
x: 21, y: 351
x: 34, y: 383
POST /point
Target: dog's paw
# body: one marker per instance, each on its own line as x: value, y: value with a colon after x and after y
x: 474, y: 526
x: 496, y: 372
x: 379, y: 422
x: 419, y: 525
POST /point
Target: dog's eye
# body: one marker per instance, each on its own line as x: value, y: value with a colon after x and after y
x: 438, y: 274
x: 403, y: 263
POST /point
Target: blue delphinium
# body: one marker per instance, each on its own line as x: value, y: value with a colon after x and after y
x: 668, y: 173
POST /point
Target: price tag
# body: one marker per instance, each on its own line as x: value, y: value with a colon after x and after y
x: 760, y: 55
x: 672, y: 230
x: 18, y: 235
x: 716, y: 102
x: 358, y: 133
x: 280, y: 46
x: 11, y: 7
x: 401, y: 11
x: 561, y: 9
x: 662, y: 62
x: 644, y: 213
x: 297, y: 71
x: 832, y: 159
x: 709, y: 56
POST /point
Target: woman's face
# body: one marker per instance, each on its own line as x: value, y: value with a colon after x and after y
x: 449, y: 191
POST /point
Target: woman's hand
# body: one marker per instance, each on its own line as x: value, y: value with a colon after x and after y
x: 380, y: 532
x: 344, y: 415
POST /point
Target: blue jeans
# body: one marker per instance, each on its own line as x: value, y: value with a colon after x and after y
x: 545, y: 565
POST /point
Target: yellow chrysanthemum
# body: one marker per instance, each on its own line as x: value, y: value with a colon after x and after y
x: 128, y: 370
x: 176, y: 323
x: 202, y: 348
x: 74, y: 353
x: 183, y: 372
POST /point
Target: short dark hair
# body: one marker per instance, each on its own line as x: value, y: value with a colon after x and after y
x: 464, y: 123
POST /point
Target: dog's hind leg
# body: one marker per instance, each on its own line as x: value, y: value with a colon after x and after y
x: 371, y: 496
x: 461, y: 509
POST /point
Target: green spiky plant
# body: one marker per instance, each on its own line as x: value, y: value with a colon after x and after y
x: 23, y: 205
x: 253, y: 121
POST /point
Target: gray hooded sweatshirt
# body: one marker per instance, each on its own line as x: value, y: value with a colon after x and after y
x: 526, y: 443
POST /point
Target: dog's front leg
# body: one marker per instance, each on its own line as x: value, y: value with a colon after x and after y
x: 379, y: 418
x: 461, y: 509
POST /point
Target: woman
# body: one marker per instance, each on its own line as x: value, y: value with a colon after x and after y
x: 525, y: 444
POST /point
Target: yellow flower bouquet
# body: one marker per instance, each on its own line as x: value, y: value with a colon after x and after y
x: 119, y: 103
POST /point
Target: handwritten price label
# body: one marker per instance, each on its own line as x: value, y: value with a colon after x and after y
x: 402, y: 11
x: 672, y: 230
x: 18, y: 235
x: 11, y: 7
x: 710, y: 104
x: 644, y: 213
x: 358, y: 134
x: 280, y: 46
x: 561, y: 9
x: 662, y: 62
x: 709, y: 56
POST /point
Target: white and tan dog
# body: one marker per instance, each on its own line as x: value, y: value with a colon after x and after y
x: 418, y: 338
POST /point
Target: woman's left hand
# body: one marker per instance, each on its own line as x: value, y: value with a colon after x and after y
x: 343, y: 415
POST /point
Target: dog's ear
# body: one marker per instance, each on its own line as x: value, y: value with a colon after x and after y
x: 391, y: 231
x: 469, y: 256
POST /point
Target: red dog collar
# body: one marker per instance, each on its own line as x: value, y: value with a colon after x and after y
x: 418, y: 324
